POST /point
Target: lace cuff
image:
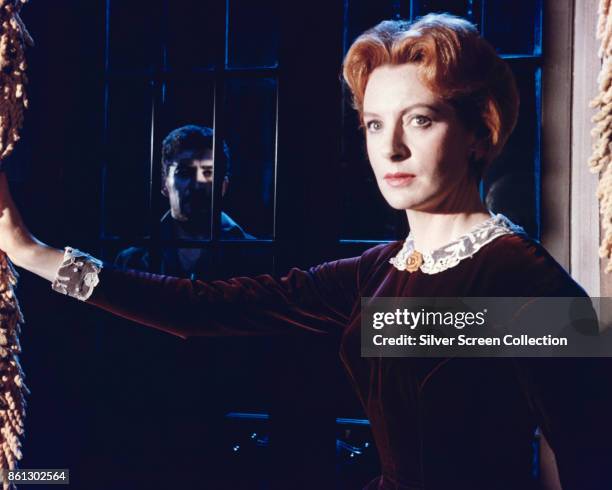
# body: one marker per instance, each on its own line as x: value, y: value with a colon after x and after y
x: 78, y: 274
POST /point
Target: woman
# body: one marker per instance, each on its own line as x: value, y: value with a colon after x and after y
x: 437, y: 105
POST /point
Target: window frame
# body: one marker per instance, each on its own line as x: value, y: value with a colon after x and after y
x: 571, y: 229
x: 157, y: 78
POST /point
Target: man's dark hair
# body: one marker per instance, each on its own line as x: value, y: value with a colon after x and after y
x: 190, y: 137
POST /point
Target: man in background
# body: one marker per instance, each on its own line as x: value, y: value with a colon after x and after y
x: 203, y: 375
x: 187, y: 182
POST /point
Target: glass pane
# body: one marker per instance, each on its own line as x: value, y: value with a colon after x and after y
x: 196, y: 33
x: 253, y: 29
x: 134, y: 35
x: 511, y: 185
x: 463, y: 8
x: 127, y: 170
x: 187, y: 102
x: 247, y: 202
x: 251, y: 133
x: 513, y: 27
x: 366, y: 215
x: 363, y: 15
x: 187, y: 172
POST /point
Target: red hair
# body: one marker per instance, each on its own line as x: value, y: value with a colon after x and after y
x: 454, y: 62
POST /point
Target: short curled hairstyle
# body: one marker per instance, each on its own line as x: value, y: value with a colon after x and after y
x: 190, y: 137
x: 454, y: 62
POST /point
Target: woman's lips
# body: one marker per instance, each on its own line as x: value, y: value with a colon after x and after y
x: 399, y: 179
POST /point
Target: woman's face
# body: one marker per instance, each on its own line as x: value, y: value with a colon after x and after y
x: 417, y: 146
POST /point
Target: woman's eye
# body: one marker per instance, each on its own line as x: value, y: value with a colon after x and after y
x: 420, y: 121
x: 374, y: 126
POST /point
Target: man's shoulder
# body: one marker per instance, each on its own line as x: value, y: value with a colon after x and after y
x: 232, y: 230
x: 133, y: 258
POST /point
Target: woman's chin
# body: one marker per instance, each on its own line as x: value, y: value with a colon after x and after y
x: 400, y: 203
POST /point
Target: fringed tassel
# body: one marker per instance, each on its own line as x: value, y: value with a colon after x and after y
x: 13, y: 389
x: 13, y: 101
x: 601, y: 159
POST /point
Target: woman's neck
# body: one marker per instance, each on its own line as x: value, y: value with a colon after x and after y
x: 432, y: 230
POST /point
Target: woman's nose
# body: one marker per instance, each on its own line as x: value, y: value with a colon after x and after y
x: 396, y: 148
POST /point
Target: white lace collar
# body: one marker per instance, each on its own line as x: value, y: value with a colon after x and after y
x: 409, y: 259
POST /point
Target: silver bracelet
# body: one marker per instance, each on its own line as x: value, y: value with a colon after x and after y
x: 78, y: 274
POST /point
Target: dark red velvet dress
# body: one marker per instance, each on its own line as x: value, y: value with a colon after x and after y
x: 437, y: 424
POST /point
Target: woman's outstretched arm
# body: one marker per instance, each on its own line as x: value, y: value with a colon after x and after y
x: 318, y: 300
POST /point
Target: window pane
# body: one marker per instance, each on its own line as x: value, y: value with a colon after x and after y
x: 463, y: 8
x: 250, y: 112
x: 513, y: 27
x: 511, y: 186
x: 252, y: 33
x: 366, y: 215
x: 188, y: 181
x: 364, y: 14
x: 127, y: 169
x: 134, y: 31
x: 196, y: 33
x: 251, y: 133
x: 187, y: 102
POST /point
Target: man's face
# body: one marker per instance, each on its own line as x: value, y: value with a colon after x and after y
x: 189, y: 185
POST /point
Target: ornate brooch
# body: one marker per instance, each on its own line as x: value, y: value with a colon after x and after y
x: 414, y: 261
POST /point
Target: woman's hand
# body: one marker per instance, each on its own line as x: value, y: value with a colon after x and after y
x: 19, y: 244
x: 15, y: 239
